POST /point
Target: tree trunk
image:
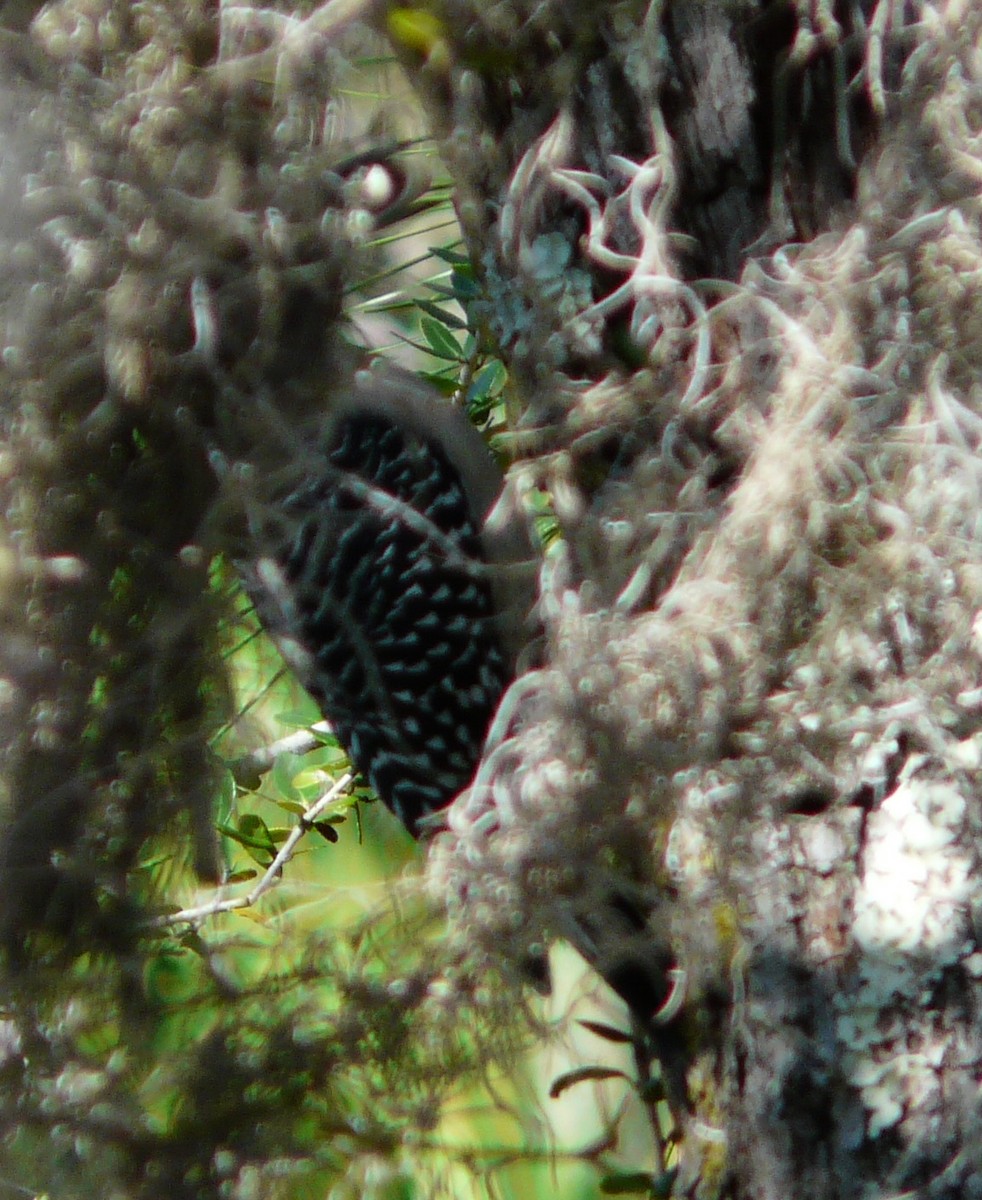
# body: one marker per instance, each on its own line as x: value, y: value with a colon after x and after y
x: 729, y: 251
x: 730, y: 255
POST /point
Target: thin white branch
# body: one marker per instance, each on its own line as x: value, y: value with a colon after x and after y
x: 257, y: 762
x: 273, y: 871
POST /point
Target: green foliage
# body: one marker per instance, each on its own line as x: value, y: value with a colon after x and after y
x: 305, y: 1028
x: 233, y: 1062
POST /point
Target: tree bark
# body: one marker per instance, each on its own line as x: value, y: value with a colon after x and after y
x: 710, y: 236
x: 729, y: 251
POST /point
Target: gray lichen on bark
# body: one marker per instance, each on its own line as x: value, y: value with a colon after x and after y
x: 762, y: 654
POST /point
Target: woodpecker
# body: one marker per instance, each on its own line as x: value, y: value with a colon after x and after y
x: 397, y: 580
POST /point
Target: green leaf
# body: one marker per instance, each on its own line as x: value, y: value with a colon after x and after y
x: 330, y: 753
x: 329, y: 739
x: 252, y: 828
x: 326, y: 830
x: 227, y: 791
x: 302, y: 717
x: 453, y: 257
x: 664, y: 1185
x: 310, y: 782
x: 441, y: 289
x: 629, y: 1183
x: 581, y: 1075
x: 282, y: 776
x: 253, y: 835
x: 607, y: 1032
x: 449, y: 320
x: 408, y: 341
x: 442, y: 383
x: 487, y: 383
x: 465, y: 286
x: 241, y: 876
x: 441, y: 343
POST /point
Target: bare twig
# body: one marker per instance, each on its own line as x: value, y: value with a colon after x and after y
x: 303, y: 826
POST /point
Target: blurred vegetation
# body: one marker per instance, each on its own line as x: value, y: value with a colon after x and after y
x: 669, y: 276
x: 323, y: 1041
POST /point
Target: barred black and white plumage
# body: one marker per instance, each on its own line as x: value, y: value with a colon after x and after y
x: 392, y: 590
x: 399, y: 582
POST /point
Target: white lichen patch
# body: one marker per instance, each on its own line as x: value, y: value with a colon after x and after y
x: 917, y: 882
x: 911, y: 921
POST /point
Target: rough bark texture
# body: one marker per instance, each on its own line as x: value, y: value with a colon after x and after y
x: 763, y: 663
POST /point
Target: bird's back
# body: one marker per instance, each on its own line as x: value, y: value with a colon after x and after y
x: 381, y: 599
